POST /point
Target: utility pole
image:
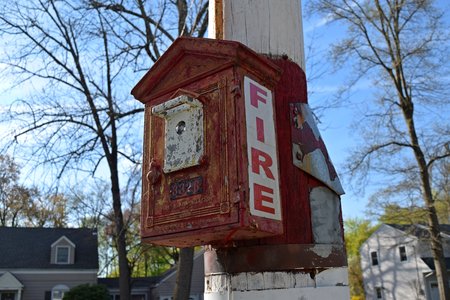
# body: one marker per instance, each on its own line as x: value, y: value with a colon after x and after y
x: 308, y: 261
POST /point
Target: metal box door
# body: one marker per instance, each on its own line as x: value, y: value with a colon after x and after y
x: 193, y: 166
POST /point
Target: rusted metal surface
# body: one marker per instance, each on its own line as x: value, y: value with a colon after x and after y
x: 262, y: 258
x: 190, y: 60
x: 309, y: 152
x: 312, y: 240
x: 195, y: 138
x: 183, y: 132
x: 209, y: 77
x: 295, y: 184
x: 186, y: 188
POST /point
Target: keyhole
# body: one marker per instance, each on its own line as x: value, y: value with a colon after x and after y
x: 181, y: 127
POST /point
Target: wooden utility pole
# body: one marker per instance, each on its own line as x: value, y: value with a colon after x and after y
x: 308, y: 261
x: 267, y: 27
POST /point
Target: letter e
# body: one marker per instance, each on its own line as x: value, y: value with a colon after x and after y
x: 258, y: 191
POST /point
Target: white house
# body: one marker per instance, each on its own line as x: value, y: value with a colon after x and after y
x: 397, y: 263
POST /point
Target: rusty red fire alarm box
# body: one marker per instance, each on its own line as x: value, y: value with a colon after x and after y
x: 210, y: 169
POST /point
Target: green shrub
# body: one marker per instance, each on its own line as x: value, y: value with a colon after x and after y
x: 87, y: 292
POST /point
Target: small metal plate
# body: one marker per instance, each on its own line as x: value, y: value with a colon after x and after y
x: 186, y: 188
x: 184, y: 142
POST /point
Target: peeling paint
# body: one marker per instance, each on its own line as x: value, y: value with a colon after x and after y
x: 309, y: 152
x: 184, y: 141
x: 325, y: 210
x: 330, y: 284
x: 322, y: 250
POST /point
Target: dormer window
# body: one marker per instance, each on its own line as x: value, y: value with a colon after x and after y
x: 62, y: 254
x: 63, y: 251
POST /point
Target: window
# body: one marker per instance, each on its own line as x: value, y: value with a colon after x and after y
x: 57, y: 295
x: 378, y: 292
x: 402, y: 251
x: 58, y: 292
x: 62, y: 255
x: 374, y: 257
x: 6, y: 295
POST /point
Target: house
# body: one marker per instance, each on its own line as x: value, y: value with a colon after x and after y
x: 140, y: 287
x: 397, y: 263
x: 43, y: 263
x: 161, y: 287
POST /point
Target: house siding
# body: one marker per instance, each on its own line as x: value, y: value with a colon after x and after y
x: 397, y: 279
x: 166, y: 287
x: 37, y: 283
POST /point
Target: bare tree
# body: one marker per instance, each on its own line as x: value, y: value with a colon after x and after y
x: 402, y: 46
x: 151, y: 38
x: 77, y: 121
x: 147, y: 27
x: 85, y: 55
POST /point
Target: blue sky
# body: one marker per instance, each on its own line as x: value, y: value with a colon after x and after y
x: 336, y: 122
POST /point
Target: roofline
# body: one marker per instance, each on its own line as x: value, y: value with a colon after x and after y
x: 50, y: 271
x: 378, y: 229
x: 422, y: 227
x: 61, y: 238
x: 190, y: 45
x: 445, y: 235
x: 20, y: 284
x: 133, y: 289
x: 172, y: 271
x: 365, y: 242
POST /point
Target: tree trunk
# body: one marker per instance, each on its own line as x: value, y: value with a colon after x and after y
x: 184, y: 274
x: 124, y: 268
x: 433, y: 222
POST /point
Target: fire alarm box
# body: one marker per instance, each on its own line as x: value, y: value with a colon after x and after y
x: 210, y: 166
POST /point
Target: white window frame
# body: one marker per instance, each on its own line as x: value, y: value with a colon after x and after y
x: 68, y: 255
x: 60, y: 288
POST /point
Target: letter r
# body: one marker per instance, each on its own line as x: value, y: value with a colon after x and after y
x: 262, y: 159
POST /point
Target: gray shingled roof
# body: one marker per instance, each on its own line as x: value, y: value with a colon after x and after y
x: 29, y: 248
x: 420, y: 231
x: 430, y: 262
x: 137, y: 282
